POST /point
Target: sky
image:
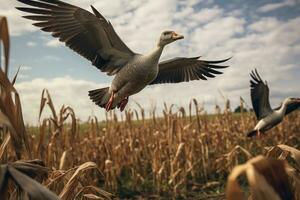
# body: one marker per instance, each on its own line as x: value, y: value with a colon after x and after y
x: 260, y: 34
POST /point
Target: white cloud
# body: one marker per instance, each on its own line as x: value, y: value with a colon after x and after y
x: 51, y: 58
x: 216, y: 33
x: 54, y: 43
x: 265, y: 24
x: 22, y: 76
x: 63, y: 90
x: 23, y: 73
x: 206, y: 15
x: 26, y: 68
x: 275, y: 6
x: 31, y: 44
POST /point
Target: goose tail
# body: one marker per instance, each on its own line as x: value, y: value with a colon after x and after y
x: 252, y: 133
x: 100, y: 96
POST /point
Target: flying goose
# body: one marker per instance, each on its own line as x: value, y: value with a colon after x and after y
x: 267, y: 118
x: 93, y: 37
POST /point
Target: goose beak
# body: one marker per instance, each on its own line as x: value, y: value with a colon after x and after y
x: 176, y: 36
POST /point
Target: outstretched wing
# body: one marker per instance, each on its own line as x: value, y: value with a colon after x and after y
x: 187, y: 69
x: 90, y: 35
x: 291, y: 107
x: 259, y: 96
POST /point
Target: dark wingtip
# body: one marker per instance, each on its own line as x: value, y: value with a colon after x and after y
x: 93, y: 8
x: 255, y: 76
x: 218, y: 61
x: 20, y: 8
x: 219, y: 66
x: 24, y: 17
x: 228, y: 58
x: 252, y: 73
x: 196, y: 57
x: 258, y: 75
x: 96, y: 12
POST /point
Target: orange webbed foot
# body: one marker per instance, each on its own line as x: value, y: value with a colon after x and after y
x: 110, y: 102
x: 123, y: 104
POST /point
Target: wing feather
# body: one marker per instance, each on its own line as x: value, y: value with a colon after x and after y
x: 187, y: 69
x: 259, y: 96
x: 90, y: 35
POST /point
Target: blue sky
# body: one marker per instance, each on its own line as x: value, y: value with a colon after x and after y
x: 259, y: 33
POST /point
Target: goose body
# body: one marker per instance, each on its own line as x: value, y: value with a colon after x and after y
x: 135, y: 76
x: 267, y: 117
x: 269, y: 121
x: 94, y: 38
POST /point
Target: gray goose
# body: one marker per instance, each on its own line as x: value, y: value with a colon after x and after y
x: 266, y: 116
x: 94, y: 38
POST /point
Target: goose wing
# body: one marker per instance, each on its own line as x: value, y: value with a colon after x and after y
x: 259, y: 96
x: 90, y: 35
x: 187, y: 69
x: 291, y: 107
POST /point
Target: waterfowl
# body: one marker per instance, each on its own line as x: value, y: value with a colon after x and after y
x: 266, y: 116
x: 94, y: 38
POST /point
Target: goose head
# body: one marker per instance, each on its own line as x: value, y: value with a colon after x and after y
x: 168, y: 37
x: 290, y: 100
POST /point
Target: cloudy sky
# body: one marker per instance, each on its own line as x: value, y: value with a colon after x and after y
x: 262, y: 34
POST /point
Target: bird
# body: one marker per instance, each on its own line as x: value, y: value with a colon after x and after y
x: 266, y: 116
x: 93, y: 37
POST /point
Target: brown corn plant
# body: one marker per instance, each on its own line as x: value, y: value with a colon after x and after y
x: 4, y: 37
x: 267, y: 179
x: 10, y: 104
x: 17, y: 180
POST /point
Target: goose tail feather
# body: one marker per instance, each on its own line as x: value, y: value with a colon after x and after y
x: 100, y: 96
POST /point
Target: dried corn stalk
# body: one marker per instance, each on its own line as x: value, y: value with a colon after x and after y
x: 267, y: 179
x: 20, y: 173
x: 4, y: 37
x: 10, y: 104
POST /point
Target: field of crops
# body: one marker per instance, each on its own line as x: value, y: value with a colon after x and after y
x: 180, y: 154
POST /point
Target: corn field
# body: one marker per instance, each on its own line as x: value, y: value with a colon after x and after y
x: 179, y: 154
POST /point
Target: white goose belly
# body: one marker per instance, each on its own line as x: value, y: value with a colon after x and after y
x: 269, y: 121
x: 133, y: 77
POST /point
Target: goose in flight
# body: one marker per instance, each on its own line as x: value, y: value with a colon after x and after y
x: 94, y: 38
x: 266, y: 116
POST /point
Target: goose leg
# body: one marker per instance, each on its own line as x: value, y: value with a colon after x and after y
x: 123, y: 104
x: 110, y: 102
